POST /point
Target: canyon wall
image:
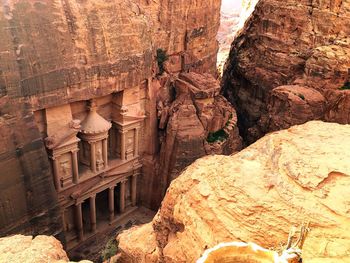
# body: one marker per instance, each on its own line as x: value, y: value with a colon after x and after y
x: 285, y: 179
x: 64, y: 51
x: 288, y: 65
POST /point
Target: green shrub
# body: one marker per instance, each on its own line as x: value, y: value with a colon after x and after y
x: 110, y: 249
x: 346, y: 86
x: 219, y: 135
x: 301, y: 96
x: 161, y: 58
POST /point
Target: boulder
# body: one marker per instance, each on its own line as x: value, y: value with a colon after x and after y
x: 297, y: 175
x: 293, y: 104
x: 26, y: 249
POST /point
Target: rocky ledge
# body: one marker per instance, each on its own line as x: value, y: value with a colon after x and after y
x: 26, y: 249
x: 286, y: 178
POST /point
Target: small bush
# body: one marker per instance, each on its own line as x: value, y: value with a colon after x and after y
x: 161, y: 58
x: 219, y: 135
x: 301, y: 96
x: 346, y: 86
x: 110, y: 249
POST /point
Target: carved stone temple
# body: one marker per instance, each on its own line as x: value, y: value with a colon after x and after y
x: 80, y: 84
x: 93, y: 147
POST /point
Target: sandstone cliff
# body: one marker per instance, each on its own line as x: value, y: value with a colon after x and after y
x: 286, y: 178
x: 58, y: 52
x: 26, y: 249
x: 194, y: 120
x: 300, y: 45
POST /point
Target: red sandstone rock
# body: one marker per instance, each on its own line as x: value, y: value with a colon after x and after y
x: 286, y: 178
x: 290, y: 105
x: 287, y: 43
x: 338, y: 105
x: 196, y: 111
x: 26, y: 249
x: 60, y: 53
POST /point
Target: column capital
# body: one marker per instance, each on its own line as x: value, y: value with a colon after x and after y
x: 136, y: 173
x: 123, y: 181
x: 55, y: 157
x: 79, y: 202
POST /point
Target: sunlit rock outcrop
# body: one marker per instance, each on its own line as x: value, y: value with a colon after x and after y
x: 26, y: 249
x: 297, y: 175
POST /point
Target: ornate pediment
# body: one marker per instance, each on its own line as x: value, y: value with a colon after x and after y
x: 64, y: 138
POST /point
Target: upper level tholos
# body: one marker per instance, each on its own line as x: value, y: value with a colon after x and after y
x: 93, y: 147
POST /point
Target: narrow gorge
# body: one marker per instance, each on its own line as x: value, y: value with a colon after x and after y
x: 166, y: 131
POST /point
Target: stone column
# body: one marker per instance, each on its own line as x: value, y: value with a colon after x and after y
x: 122, y: 145
x: 75, y: 167
x: 111, y: 203
x: 79, y: 221
x: 56, y: 173
x: 105, y: 152
x: 136, y: 143
x: 133, y: 189
x: 93, y: 213
x: 93, y: 156
x: 64, y: 220
x: 122, y: 196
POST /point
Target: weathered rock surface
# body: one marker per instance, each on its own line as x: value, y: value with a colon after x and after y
x: 291, y: 105
x: 339, y: 103
x: 286, y: 178
x: 196, y: 111
x: 26, y: 249
x: 58, y: 52
x: 295, y: 43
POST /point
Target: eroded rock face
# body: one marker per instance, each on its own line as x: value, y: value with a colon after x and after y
x: 286, y: 178
x: 287, y: 43
x: 26, y: 249
x: 58, y: 52
x: 339, y: 102
x: 291, y: 105
x: 188, y: 120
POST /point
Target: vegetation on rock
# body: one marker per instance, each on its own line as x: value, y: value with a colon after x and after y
x: 110, y: 250
x: 219, y: 135
x: 301, y: 96
x: 346, y: 86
